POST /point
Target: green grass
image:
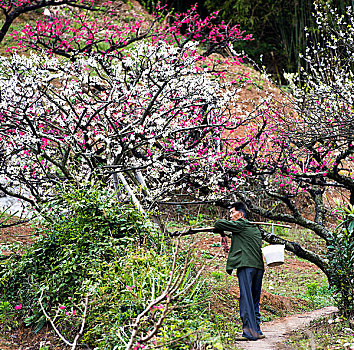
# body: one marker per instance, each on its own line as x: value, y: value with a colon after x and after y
x: 326, y: 333
x: 305, y: 238
x: 298, y: 281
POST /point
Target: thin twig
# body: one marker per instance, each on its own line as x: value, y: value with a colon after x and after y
x: 78, y: 335
x: 168, y: 295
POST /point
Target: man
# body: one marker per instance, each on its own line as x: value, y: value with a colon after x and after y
x: 245, y: 255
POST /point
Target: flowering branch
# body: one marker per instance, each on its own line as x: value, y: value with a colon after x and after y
x: 13, y: 9
x: 172, y: 292
x: 73, y: 345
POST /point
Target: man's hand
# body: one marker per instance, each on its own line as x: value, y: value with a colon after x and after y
x: 224, y: 244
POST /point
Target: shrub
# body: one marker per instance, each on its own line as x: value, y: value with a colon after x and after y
x: 93, y: 248
x: 341, y: 262
x: 7, y: 317
x: 142, y: 277
x: 319, y: 295
x: 83, y: 229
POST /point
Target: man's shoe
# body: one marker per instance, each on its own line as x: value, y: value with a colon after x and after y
x: 261, y: 336
x: 241, y: 338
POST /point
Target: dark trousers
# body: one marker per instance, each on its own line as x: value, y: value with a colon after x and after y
x: 250, y: 283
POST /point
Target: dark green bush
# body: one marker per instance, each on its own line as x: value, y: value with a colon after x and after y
x: 92, y: 246
x: 341, y: 262
x: 83, y: 229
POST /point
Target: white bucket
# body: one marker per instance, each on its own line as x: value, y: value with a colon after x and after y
x: 274, y: 254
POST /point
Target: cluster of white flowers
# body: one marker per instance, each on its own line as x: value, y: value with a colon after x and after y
x: 63, y: 120
x: 325, y: 91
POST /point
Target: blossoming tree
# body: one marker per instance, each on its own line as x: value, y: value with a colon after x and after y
x: 11, y: 10
x: 145, y: 104
x: 301, y: 169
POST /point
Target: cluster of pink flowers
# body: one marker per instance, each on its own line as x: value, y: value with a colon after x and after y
x: 157, y: 307
x: 139, y: 346
x: 130, y: 288
x: 68, y: 313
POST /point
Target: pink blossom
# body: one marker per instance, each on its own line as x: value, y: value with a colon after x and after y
x: 62, y: 307
x: 18, y: 307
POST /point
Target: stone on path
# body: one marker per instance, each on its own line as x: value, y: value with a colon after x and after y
x: 277, y: 331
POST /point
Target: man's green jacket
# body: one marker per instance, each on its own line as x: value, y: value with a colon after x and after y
x: 246, y: 244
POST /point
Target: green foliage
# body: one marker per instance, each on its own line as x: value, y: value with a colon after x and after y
x: 218, y: 276
x: 277, y: 27
x: 84, y: 229
x: 128, y: 285
x: 341, y: 262
x: 7, y: 316
x: 195, y: 220
x: 317, y: 294
x: 206, y: 255
x: 348, y: 221
x: 92, y: 246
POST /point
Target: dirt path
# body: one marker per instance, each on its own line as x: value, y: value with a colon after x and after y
x: 276, y: 331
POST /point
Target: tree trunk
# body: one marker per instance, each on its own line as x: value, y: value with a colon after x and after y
x: 6, y: 26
